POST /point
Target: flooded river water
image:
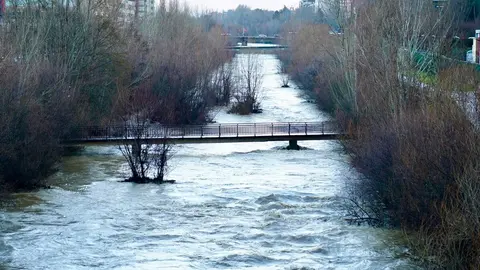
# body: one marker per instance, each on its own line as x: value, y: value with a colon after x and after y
x: 235, y: 206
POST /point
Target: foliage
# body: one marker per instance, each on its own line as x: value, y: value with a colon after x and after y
x: 47, y: 86
x: 310, y: 58
x: 64, y: 66
x: 414, y: 143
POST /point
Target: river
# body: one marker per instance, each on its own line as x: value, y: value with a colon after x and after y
x: 234, y: 206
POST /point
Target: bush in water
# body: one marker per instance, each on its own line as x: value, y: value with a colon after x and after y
x: 247, y: 96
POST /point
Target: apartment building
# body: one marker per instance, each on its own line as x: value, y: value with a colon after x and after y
x: 314, y: 4
x: 307, y: 3
x: 137, y: 8
x: 130, y: 9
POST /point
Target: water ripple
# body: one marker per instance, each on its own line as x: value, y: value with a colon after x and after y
x: 234, y: 206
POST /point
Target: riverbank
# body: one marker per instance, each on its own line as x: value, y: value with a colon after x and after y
x: 86, y: 70
x: 417, y: 148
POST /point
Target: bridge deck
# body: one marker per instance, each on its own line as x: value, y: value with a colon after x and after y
x: 212, y: 133
x: 256, y: 48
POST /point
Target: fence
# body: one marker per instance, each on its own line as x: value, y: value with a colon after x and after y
x: 152, y: 131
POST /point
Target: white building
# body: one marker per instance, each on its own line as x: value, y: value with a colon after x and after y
x: 475, y: 53
x: 315, y: 4
x: 137, y: 8
x: 125, y: 10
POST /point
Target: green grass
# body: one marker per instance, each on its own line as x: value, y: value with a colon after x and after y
x: 426, y: 78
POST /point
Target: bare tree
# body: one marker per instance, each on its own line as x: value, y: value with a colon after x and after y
x: 392, y: 86
x: 409, y: 126
x: 284, y: 76
x: 250, y: 74
x: 148, y: 162
x: 69, y: 65
x: 226, y: 84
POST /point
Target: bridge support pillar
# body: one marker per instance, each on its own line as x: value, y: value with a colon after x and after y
x: 244, y: 41
x: 293, y: 145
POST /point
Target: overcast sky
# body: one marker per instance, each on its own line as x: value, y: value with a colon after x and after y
x: 219, y: 5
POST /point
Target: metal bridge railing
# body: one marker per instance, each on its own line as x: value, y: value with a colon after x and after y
x: 152, y: 131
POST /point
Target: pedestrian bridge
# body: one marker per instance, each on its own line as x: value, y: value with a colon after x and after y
x: 257, y: 47
x: 255, y: 39
x: 211, y: 133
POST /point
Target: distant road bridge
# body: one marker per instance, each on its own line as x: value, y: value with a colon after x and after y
x: 255, y: 43
x: 257, y: 47
x: 211, y: 133
x: 244, y: 40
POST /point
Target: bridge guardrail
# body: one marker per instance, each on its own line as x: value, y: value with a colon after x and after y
x: 229, y: 130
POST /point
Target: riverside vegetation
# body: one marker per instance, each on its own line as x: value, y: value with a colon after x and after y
x: 65, y: 66
x: 415, y: 145
x: 70, y: 65
x: 74, y: 64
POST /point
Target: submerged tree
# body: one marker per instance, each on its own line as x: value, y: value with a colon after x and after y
x: 285, y: 78
x: 225, y: 84
x: 147, y: 162
x: 247, y: 96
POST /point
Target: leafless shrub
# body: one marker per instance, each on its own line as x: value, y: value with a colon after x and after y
x: 148, y: 161
x: 284, y: 76
x: 414, y: 141
x: 227, y: 84
x: 390, y: 86
x: 62, y: 67
x: 247, y: 97
x: 311, y: 61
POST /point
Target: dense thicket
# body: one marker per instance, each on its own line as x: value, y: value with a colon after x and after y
x: 389, y: 84
x: 311, y: 51
x: 72, y: 64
